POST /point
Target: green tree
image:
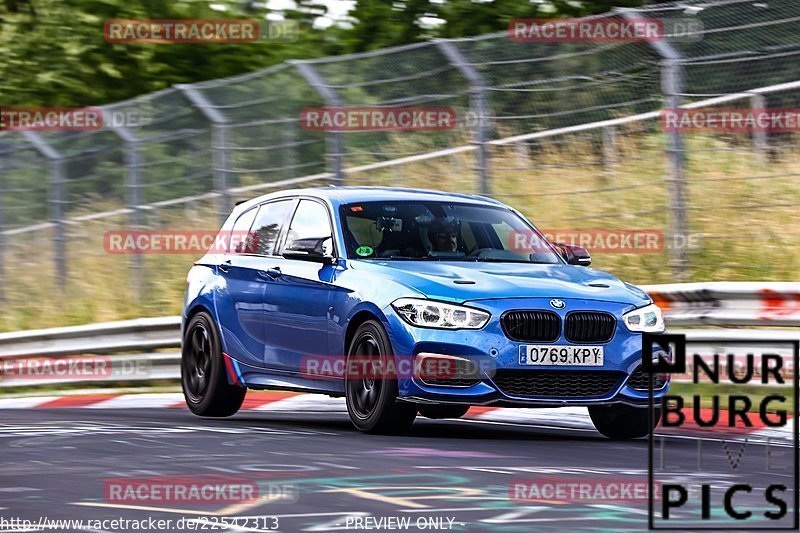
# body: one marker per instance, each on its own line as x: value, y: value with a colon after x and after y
x: 379, y: 24
x: 54, y: 52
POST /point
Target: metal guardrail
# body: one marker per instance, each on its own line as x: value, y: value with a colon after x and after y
x: 127, y: 350
x: 729, y: 303
x: 103, y: 338
x: 692, y: 304
x: 140, y: 367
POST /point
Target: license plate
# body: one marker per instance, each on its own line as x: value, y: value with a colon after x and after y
x: 554, y: 355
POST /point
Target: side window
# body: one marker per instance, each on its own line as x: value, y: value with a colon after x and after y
x: 264, y: 236
x: 238, y: 239
x: 310, y: 229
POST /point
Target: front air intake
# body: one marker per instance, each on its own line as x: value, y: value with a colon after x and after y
x: 558, y: 383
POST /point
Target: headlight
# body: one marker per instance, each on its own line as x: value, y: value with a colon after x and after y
x: 431, y: 314
x: 646, y: 319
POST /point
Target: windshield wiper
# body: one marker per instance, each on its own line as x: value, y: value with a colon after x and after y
x: 405, y: 258
x: 464, y: 259
x: 500, y: 260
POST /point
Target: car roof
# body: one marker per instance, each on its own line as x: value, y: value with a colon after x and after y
x: 346, y: 195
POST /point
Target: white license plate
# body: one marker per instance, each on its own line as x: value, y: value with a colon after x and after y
x: 554, y: 355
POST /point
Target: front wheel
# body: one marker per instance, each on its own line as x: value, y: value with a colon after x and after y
x: 622, y: 422
x: 370, y: 389
x: 203, y: 377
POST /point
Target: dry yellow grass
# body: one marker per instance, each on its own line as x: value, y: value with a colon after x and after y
x: 742, y: 240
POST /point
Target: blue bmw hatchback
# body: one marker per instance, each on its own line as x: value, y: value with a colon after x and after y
x: 411, y: 302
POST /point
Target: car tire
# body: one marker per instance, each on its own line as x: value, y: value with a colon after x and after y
x: 622, y: 422
x: 203, y: 376
x: 372, y: 399
x: 437, y: 412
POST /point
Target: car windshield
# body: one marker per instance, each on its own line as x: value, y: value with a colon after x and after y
x: 441, y: 231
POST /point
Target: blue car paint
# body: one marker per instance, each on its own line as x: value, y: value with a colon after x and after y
x: 307, y: 309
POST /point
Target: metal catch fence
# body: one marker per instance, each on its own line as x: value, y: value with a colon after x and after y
x: 570, y: 133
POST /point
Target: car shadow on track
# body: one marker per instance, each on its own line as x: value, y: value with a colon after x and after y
x: 454, y: 429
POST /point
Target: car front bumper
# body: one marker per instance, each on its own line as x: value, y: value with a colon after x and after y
x: 498, y: 357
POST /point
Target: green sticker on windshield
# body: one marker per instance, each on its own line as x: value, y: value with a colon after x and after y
x: 364, y: 251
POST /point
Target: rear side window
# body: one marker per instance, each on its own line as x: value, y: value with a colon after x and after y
x: 267, y: 226
x: 239, y: 241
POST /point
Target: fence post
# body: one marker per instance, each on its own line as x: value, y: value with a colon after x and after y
x: 2, y: 236
x: 333, y: 140
x: 289, y: 159
x: 219, y: 144
x: 609, y: 148
x: 219, y: 158
x: 56, y: 202
x: 57, y: 209
x: 133, y: 201
x: 676, y: 152
x: 477, y: 97
x: 523, y: 154
x: 672, y: 89
x: 760, y: 146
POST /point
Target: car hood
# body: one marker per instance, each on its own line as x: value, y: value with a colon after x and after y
x: 459, y: 281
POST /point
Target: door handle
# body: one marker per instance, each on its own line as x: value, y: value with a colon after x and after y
x: 225, y: 265
x: 274, y: 272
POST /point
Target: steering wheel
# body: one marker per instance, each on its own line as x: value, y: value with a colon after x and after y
x: 478, y: 252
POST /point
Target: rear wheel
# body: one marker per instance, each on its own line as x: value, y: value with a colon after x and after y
x: 203, y: 377
x: 621, y: 422
x: 371, y: 390
x: 443, y: 411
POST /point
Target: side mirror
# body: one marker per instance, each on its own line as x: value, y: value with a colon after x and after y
x: 574, y: 255
x: 306, y: 255
x: 309, y: 250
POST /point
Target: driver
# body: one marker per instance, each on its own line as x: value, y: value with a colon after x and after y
x: 443, y: 234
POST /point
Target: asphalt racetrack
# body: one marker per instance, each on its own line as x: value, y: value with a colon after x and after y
x: 316, y: 473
